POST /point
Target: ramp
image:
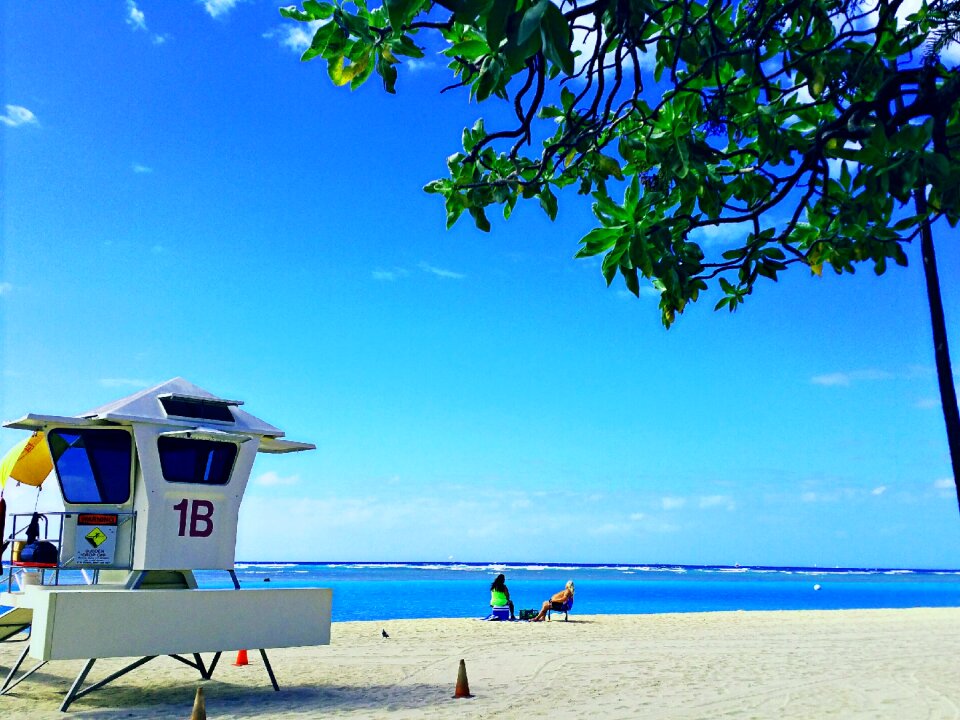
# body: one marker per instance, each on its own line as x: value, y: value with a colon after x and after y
x: 13, y: 621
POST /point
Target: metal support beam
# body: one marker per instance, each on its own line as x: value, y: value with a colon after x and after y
x: 266, y: 664
x: 9, y: 684
x: 76, y: 693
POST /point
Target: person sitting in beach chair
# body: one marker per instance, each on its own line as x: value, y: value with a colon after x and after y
x: 500, y: 596
x: 559, y: 602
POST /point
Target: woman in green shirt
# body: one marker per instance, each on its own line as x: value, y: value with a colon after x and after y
x: 499, y: 595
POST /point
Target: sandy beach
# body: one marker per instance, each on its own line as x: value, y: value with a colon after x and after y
x: 809, y: 664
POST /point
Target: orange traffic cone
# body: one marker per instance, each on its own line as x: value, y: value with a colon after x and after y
x: 463, y: 687
x: 241, y: 658
x: 199, y: 706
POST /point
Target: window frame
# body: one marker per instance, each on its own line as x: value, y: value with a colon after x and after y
x: 93, y: 463
x: 201, y: 403
x: 167, y: 439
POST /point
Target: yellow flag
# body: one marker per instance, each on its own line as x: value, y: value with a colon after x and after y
x: 27, y: 462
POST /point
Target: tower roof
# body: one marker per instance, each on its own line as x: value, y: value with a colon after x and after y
x: 177, y: 403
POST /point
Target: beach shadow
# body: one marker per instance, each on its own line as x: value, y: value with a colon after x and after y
x: 243, y: 701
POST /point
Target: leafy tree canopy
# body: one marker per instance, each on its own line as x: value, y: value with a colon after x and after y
x: 826, y: 129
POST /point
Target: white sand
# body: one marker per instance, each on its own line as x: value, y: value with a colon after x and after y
x: 811, y: 664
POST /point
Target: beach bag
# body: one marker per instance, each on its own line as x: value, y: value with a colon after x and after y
x: 40, y: 552
x: 528, y: 614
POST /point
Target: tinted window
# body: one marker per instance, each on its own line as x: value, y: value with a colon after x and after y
x: 93, y: 466
x: 197, y: 409
x: 196, y: 461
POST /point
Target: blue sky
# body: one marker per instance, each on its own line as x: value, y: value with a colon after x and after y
x: 182, y: 197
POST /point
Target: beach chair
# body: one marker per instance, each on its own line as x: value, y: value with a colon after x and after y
x: 565, y: 609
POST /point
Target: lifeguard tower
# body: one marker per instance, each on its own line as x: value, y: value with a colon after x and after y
x: 151, y: 488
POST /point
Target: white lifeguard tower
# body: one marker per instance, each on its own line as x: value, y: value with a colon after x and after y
x: 151, y: 488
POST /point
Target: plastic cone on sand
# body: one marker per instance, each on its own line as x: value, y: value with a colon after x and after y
x: 463, y: 687
x: 199, y: 707
x: 241, y: 658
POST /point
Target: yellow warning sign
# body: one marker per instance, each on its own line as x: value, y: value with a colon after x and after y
x: 96, y: 537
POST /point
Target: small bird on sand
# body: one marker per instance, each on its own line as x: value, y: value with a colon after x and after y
x: 384, y: 633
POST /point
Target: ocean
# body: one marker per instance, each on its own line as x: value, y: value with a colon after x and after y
x: 392, y: 591
x: 388, y: 591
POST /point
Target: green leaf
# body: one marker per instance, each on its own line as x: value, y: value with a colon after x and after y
x: 631, y: 280
x: 399, y: 11
x: 488, y: 80
x: 845, y: 176
x: 557, y: 39
x: 388, y: 73
x: 322, y: 39
x: 436, y: 186
x: 608, y: 165
x: 548, y: 201
x: 597, y: 241
x: 531, y: 20
x: 335, y: 70
x: 469, y: 10
x: 470, y: 49
x: 294, y: 14
x: 318, y: 10
x: 631, y: 196
x: 362, y: 69
x: 517, y: 52
x: 406, y: 46
x: 454, y: 206
x: 480, y: 219
x: 497, y: 22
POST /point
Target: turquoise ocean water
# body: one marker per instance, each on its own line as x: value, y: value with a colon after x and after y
x: 385, y: 591
x: 389, y: 591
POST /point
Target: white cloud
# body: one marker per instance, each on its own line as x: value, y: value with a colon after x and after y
x: 586, y: 43
x: 141, y: 169
x: 135, y: 17
x: 848, y: 378
x: 879, y: 490
x: 272, y: 479
x: 944, y: 484
x: 609, y: 529
x: 440, y: 272
x: 418, y: 64
x: 831, y: 379
x: 5, y: 288
x: 672, y: 503
x: 125, y: 382
x: 721, y: 235
x: 653, y: 524
x: 722, y: 501
x: 216, y: 8
x: 389, y: 275
x: 17, y: 115
x: 927, y: 403
x: 646, y: 291
x: 158, y: 249
x: 296, y: 37
x: 138, y: 21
